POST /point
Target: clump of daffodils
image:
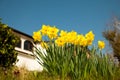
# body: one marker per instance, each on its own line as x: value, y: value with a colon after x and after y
x: 65, y: 37
x: 73, y: 37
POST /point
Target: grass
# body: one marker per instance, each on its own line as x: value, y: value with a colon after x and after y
x: 23, y: 74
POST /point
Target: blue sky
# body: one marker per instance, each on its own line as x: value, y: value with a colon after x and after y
x: 79, y: 15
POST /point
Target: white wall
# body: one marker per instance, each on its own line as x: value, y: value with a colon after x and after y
x: 29, y: 63
x: 24, y: 59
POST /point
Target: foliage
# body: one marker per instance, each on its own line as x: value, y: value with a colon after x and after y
x: 23, y: 74
x: 8, y: 41
x: 68, y: 55
x: 16, y: 73
x: 113, y: 37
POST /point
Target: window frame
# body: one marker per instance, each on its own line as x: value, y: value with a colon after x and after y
x: 28, y: 45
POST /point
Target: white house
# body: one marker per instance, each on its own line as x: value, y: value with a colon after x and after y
x: 25, y: 52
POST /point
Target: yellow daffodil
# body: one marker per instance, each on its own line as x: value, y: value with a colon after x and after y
x: 37, y: 36
x: 83, y: 42
x: 53, y: 32
x: 63, y: 33
x: 89, y: 41
x: 45, y: 29
x: 101, y: 44
x: 78, y: 39
x: 90, y: 37
x: 71, y: 37
x: 60, y: 41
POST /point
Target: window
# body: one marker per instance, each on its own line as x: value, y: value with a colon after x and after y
x: 19, y: 44
x: 28, y: 45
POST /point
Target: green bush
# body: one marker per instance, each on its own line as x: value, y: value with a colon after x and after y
x: 8, y: 41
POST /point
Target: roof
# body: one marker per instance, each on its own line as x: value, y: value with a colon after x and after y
x: 21, y: 32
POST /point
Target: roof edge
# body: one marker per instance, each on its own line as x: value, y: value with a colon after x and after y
x: 15, y: 30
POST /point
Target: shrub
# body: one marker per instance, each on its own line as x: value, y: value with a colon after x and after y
x: 8, y: 41
x: 112, y: 35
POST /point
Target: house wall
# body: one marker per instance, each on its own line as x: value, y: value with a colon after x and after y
x: 28, y: 62
x: 25, y: 57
